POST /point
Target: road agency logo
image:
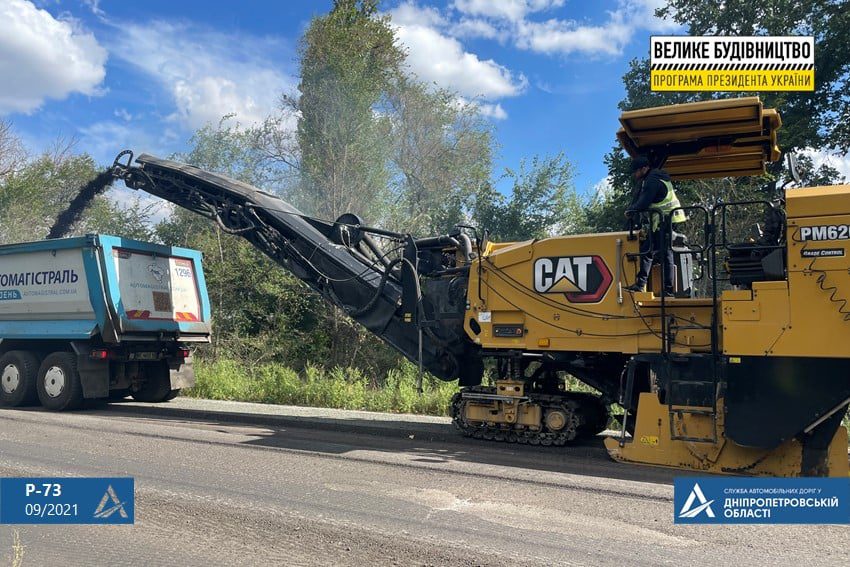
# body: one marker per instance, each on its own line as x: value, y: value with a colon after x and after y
x: 105, y: 510
x: 582, y: 279
x: 696, y: 504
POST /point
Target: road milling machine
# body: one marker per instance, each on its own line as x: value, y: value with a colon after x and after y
x: 750, y: 377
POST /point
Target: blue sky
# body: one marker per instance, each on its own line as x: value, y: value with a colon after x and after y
x: 145, y: 75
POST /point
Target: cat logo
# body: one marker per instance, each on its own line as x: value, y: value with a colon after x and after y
x: 582, y: 279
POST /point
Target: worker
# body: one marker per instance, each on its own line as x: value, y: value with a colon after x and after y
x: 655, y: 194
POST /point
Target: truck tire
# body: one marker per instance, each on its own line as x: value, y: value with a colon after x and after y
x: 157, y: 386
x: 58, y: 382
x: 18, y: 370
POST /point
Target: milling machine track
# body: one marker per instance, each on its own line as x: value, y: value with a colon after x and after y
x: 585, y: 413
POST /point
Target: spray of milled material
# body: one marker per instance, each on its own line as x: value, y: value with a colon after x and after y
x: 79, y: 204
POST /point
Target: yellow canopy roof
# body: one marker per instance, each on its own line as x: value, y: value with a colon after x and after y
x: 715, y: 138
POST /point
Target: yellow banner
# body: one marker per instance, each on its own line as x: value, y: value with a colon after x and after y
x: 729, y: 80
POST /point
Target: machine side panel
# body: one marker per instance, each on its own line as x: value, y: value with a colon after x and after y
x: 566, y: 294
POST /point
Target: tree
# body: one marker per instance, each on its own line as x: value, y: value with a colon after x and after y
x: 12, y: 153
x: 542, y: 202
x: 33, y: 195
x: 260, y: 311
x: 819, y: 119
x: 441, y: 155
x: 349, y: 60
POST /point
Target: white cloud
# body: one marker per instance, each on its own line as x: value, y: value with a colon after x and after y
x: 603, y: 187
x: 559, y: 36
x: 511, y: 18
x: 104, y: 139
x: 836, y: 161
x: 410, y: 14
x: 441, y: 59
x: 490, y: 110
x: 123, y: 114
x: 609, y: 38
x: 472, y: 28
x: 42, y: 57
x: 208, y: 74
x: 494, y: 111
x: 643, y: 15
x: 94, y: 6
x: 435, y: 57
x: 512, y: 10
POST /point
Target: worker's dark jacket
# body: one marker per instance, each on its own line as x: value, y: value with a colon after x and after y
x: 652, y: 190
x: 653, y: 195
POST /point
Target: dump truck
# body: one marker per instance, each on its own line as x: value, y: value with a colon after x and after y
x: 751, y: 376
x: 98, y: 317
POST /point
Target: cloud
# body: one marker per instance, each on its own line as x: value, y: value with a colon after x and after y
x: 563, y: 36
x: 602, y: 188
x: 512, y: 10
x: 94, y: 6
x: 490, y: 110
x: 473, y: 28
x: 208, y: 74
x: 559, y: 36
x: 438, y: 58
x: 410, y: 14
x: 104, y: 139
x: 837, y: 161
x: 42, y: 57
x: 494, y: 111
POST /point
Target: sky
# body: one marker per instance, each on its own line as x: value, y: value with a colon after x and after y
x: 146, y: 75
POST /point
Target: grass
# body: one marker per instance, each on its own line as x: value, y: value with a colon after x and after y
x: 342, y: 388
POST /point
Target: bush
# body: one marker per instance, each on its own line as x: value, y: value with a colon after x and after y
x: 342, y: 388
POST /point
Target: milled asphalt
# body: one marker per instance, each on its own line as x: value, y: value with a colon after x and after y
x: 222, y: 483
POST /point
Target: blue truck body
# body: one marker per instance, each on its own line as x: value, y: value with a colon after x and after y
x: 123, y: 312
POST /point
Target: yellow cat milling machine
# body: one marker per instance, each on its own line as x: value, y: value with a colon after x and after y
x: 751, y: 378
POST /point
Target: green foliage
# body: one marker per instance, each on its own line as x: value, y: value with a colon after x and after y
x: 543, y: 201
x: 33, y: 195
x: 809, y: 119
x: 12, y: 153
x: 441, y: 155
x: 260, y: 311
x: 349, y: 59
x: 343, y: 388
x: 816, y: 119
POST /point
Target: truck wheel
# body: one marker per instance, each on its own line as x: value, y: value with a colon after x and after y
x: 58, y: 382
x: 157, y: 386
x: 18, y: 370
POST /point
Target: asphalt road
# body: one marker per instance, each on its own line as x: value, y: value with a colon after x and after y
x: 224, y: 484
